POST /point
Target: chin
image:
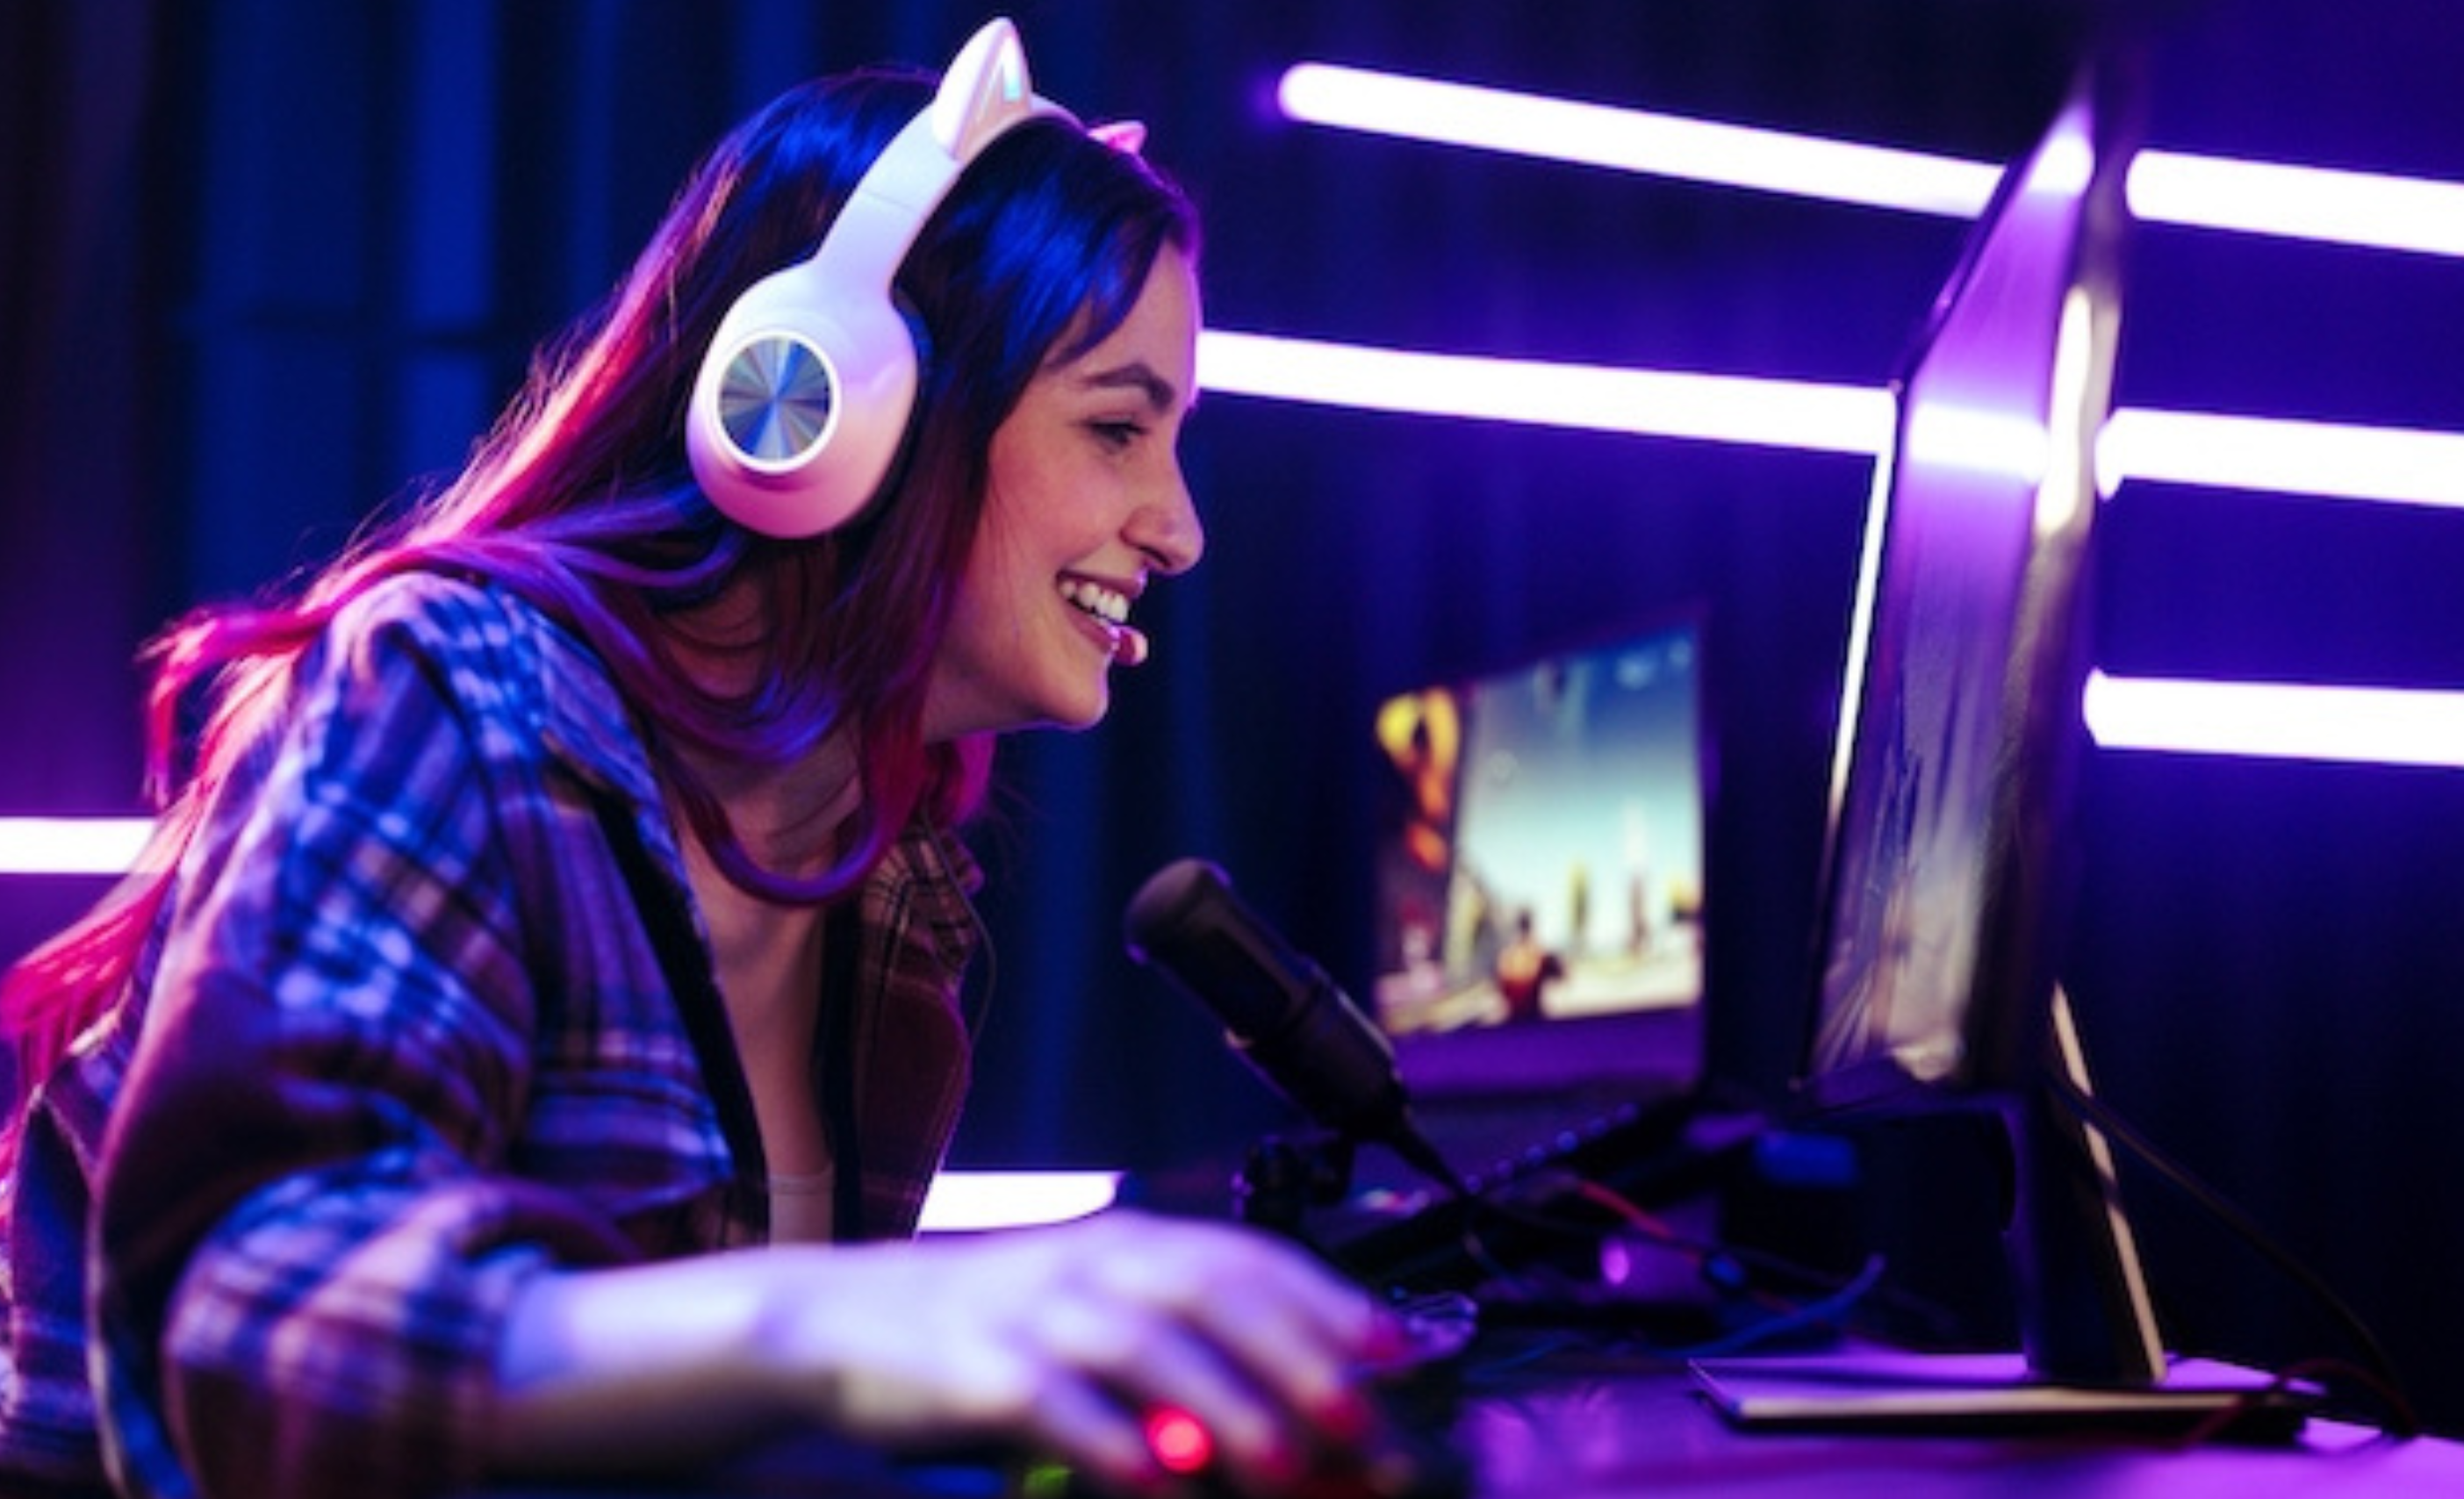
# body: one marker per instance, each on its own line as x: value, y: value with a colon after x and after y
x: 1068, y: 714
x: 1082, y: 720
x: 1080, y: 712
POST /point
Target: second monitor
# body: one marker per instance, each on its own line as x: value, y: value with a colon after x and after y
x: 1540, y: 876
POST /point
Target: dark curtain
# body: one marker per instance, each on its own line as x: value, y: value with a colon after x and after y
x: 269, y: 264
x: 79, y: 453
x: 82, y: 445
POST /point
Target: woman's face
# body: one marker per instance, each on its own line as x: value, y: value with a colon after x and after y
x: 1086, y: 503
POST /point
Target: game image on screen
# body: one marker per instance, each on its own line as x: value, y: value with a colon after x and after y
x: 1541, y: 856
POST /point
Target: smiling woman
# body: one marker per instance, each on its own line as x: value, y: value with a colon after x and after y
x: 565, y: 888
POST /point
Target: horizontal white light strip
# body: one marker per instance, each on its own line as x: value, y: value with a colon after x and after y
x: 71, y: 844
x: 2357, y: 725
x: 1775, y: 413
x: 2395, y: 465
x: 967, y: 1201
x: 2420, y: 215
x: 2390, y: 464
x: 2385, y: 726
x: 1635, y: 141
x: 2411, y: 213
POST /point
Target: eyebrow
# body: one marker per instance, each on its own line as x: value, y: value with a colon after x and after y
x: 1136, y: 375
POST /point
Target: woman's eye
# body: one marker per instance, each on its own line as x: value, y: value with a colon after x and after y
x: 1115, y: 435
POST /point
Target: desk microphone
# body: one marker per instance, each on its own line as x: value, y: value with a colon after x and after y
x: 1281, y: 1012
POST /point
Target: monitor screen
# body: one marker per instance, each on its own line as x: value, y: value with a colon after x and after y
x: 1959, y: 724
x: 1946, y: 881
x: 1540, y: 871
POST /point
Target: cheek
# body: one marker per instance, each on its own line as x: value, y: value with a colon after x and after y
x: 1047, y: 490
x: 977, y: 605
x: 1000, y: 587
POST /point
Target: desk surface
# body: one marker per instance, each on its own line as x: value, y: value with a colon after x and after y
x: 1648, y: 1434
x: 1592, y: 1428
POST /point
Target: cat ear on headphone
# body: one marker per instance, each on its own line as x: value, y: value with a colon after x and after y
x: 1128, y: 137
x: 984, y: 92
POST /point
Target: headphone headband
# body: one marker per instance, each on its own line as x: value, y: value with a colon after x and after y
x: 804, y: 394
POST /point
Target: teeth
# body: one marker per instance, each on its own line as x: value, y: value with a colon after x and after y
x: 1109, y: 605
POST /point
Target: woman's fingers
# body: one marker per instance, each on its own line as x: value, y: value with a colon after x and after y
x: 1245, y: 1335
x: 1075, y: 1340
x: 1153, y: 1356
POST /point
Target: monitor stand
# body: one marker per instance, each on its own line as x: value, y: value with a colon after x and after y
x: 1885, y: 1390
x: 2093, y: 1355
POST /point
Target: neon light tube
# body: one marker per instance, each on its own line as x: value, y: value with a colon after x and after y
x: 71, y: 844
x: 2417, y: 214
x: 1635, y: 141
x: 1774, y: 413
x: 2279, y: 720
x: 2391, y: 464
x: 965, y: 1202
x: 2385, y: 726
x: 2414, y: 214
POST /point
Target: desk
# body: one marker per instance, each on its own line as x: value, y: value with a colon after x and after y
x: 1646, y: 1434
x: 1600, y: 1429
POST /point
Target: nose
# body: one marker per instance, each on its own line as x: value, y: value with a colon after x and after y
x: 1165, y: 526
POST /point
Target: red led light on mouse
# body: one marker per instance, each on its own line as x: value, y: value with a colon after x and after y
x: 1178, y: 1442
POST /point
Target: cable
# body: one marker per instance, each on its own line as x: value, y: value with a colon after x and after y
x: 2378, y: 1373
x: 1730, y: 1270
x: 1830, y: 1311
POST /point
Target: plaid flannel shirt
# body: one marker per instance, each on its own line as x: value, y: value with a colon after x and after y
x: 404, y: 1039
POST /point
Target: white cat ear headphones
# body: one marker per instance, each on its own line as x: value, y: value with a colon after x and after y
x: 804, y: 394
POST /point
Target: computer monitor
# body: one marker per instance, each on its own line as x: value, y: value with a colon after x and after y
x: 1948, y: 874
x: 1540, y: 878
x: 1945, y: 874
x: 1948, y: 871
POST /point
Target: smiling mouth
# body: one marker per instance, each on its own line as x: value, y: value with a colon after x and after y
x: 1109, y: 605
x: 1109, y: 608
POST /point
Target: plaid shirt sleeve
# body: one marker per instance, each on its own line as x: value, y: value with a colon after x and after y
x: 316, y: 1200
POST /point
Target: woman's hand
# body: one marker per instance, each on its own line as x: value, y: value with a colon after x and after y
x: 1065, y: 1340
x: 1070, y: 1337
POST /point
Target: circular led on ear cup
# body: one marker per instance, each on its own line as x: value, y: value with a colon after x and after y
x: 778, y: 398
x: 800, y: 409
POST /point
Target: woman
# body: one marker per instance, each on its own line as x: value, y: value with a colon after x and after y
x: 554, y: 940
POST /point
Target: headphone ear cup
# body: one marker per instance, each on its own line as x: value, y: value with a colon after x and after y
x: 806, y: 390
x: 801, y: 408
